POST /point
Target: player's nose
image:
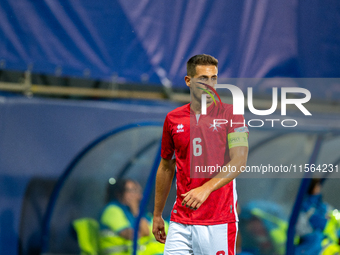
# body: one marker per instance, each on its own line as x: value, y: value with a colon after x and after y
x: 209, y: 86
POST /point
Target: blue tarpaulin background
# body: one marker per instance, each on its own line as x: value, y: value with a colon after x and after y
x: 152, y: 40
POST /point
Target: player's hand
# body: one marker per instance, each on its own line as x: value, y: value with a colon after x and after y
x: 158, y: 229
x: 195, y: 197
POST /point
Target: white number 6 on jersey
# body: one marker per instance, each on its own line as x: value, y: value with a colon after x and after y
x: 197, y: 147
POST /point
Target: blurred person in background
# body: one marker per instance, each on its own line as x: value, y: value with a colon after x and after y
x: 264, y: 227
x: 239, y: 249
x: 118, y: 218
x: 318, y: 227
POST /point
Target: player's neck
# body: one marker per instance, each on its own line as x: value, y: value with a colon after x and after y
x: 196, y: 106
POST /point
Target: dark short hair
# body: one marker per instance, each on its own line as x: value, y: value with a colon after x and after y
x: 312, y: 184
x: 203, y: 59
x: 116, y: 191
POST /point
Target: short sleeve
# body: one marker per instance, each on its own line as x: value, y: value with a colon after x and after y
x: 167, y: 150
x: 237, y: 124
x: 114, y: 218
x: 237, y: 132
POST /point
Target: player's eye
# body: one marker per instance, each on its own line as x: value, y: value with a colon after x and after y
x: 203, y: 78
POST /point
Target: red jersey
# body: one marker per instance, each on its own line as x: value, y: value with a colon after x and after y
x: 200, y: 148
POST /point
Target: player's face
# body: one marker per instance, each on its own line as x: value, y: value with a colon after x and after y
x: 206, y: 74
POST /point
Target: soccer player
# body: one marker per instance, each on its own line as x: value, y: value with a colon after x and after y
x: 204, y: 217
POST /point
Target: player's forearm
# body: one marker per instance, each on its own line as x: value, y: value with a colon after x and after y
x: 224, y: 178
x: 164, y: 177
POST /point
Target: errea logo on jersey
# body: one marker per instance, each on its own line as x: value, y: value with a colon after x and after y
x: 180, y: 128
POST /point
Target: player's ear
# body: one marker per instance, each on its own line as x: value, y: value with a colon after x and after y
x: 187, y: 80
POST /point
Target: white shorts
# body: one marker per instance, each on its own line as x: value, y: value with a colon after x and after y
x: 201, y: 240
